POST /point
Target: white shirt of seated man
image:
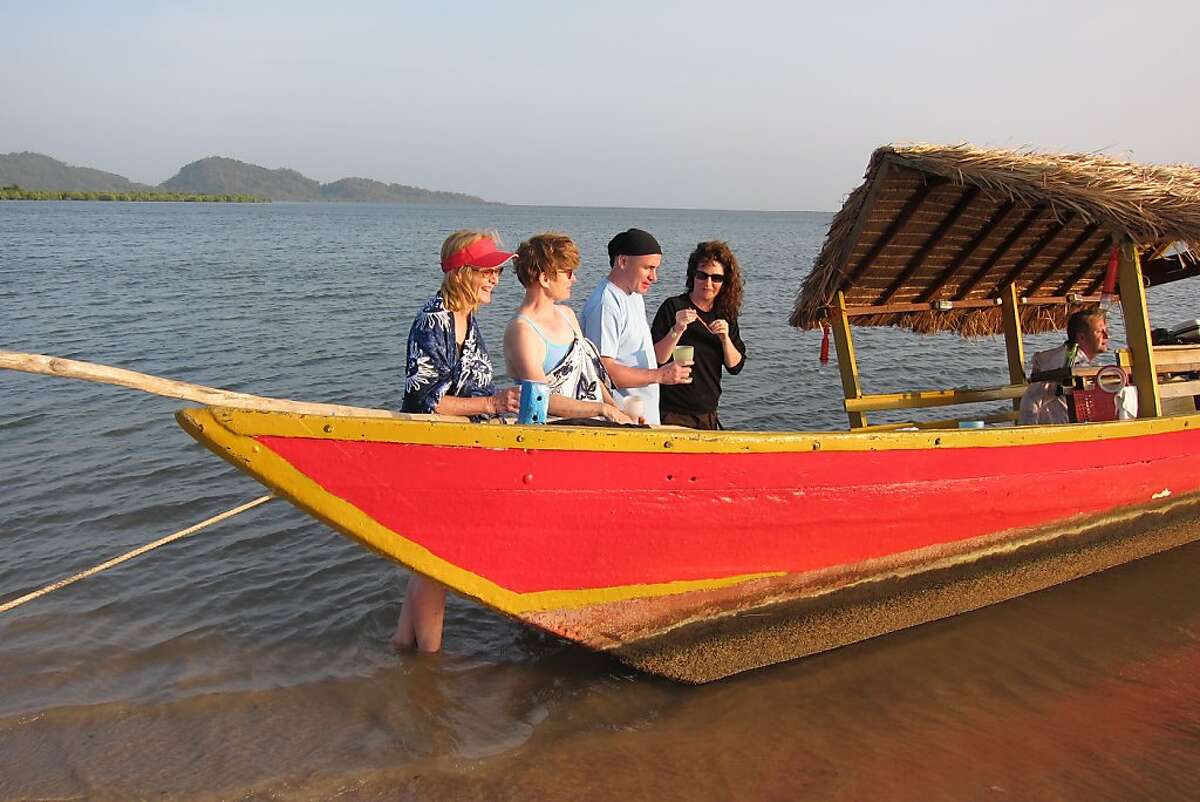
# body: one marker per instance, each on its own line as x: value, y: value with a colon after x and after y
x: 1041, y: 404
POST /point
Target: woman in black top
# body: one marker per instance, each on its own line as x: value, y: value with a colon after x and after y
x: 704, y: 317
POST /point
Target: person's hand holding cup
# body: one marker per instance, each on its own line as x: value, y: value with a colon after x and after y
x: 506, y: 400
x: 675, y: 373
x: 635, y: 408
x: 615, y: 414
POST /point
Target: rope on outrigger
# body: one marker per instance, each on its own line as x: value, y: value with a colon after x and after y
x: 129, y: 555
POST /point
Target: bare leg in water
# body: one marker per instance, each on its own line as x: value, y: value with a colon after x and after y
x: 421, y: 615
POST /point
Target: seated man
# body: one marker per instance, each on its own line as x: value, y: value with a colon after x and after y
x: 1087, y: 337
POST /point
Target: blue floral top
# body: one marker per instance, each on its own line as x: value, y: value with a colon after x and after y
x: 434, y: 366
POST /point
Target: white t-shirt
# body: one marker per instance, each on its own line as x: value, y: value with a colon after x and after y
x: 615, y: 321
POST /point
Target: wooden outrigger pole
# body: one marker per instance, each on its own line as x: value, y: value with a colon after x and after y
x: 170, y: 388
x: 196, y: 393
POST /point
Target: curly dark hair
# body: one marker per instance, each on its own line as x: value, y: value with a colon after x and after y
x: 729, y: 300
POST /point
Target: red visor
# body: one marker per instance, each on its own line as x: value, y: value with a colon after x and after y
x: 482, y: 253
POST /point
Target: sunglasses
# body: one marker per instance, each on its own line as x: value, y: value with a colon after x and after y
x: 715, y: 278
x: 489, y: 271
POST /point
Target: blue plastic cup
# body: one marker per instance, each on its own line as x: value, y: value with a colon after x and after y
x: 535, y: 402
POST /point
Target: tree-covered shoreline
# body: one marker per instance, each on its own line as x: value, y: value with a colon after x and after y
x: 15, y: 192
x: 215, y: 178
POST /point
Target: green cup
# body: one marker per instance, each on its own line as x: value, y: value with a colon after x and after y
x: 684, y: 354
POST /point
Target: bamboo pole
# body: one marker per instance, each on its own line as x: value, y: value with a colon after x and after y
x: 1010, y: 312
x: 847, y: 362
x: 1137, y: 331
x: 170, y: 388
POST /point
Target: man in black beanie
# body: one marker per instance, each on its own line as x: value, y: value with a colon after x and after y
x: 614, y: 318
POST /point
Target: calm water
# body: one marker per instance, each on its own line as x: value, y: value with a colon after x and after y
x: 252, y: 660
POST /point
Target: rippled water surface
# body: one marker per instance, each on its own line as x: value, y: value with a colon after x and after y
x: 251, y: 661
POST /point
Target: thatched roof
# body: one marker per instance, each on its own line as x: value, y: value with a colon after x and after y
x: 958, y: 224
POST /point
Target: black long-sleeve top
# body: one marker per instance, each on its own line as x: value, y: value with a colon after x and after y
x: 704, y: 393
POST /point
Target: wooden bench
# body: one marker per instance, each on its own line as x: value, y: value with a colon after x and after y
x: 1173, y: 365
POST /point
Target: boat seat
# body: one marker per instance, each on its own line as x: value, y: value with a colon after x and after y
x: 1178, y: 370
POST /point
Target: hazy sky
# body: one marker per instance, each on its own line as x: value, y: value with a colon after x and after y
x: 692, y: 104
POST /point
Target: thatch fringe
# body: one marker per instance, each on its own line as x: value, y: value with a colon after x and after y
x: 1041, y: 319
x: 1150, y: 204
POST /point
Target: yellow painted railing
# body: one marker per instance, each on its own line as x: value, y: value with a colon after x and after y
x: 920, y: 399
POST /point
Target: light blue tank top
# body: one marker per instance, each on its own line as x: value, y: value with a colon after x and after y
x: 554, y: 351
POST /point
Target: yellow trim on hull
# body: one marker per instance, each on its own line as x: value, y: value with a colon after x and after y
x: 579, y: 438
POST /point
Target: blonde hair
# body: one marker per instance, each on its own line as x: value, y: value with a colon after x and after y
x: 547, y: 253
x: 458, y: 289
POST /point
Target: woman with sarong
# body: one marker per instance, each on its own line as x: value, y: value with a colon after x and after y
x: 543, y: 343
x: 449, y: 371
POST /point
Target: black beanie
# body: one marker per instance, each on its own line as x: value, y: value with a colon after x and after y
x: 633, y: 242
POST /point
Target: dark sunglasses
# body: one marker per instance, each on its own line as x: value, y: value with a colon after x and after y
x: 715, y: 278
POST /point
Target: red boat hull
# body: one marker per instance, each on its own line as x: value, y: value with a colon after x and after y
x: 619, y: 539
x: 598, y: 520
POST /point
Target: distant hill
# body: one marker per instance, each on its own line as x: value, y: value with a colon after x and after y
x: 217, y: 175
x: 220, y: 176
x: 367, y: 190
x: 35, y: 171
